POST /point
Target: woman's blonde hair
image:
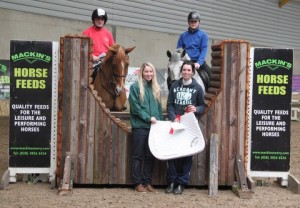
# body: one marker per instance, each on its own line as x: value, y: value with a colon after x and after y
x: 155, y: 87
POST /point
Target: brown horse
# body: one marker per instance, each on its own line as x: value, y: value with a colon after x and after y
x: 111, y: 76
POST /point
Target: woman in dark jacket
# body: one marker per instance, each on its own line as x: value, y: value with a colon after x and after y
x: 185, y: 95
x: 145, y: 109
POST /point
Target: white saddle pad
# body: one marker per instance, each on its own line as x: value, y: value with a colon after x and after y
x: 184, y: 139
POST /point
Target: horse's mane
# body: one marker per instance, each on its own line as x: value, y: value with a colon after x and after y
x: 114, y: 49
x: 179, y: 54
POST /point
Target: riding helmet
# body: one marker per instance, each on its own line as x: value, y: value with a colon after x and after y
x: 194, y: 16
x: 99, y: 13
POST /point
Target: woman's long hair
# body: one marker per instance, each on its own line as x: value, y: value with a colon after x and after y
x: 155, y: 87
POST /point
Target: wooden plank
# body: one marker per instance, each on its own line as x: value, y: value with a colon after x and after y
x: 233, y: 110
x: 98, y: 135
x: 198, y: 171
x: 66, y: 185
x: 91, y: 102
x: 103, y: 147
x: 114, y: 153
x: 60, y: 116
x: 125, y: 168
x: 74, y: 106
x: 241, y: 194
x: 209, y: 97
x: 83, y: 59
x: 215, y: 84
x: 106, y: 147
x: 215, y: 77
x: 242, y: 135
x: 128, y: 177
x: 216, y: 54
x: 122, y: 150
x: 251, y: 184
x: 240, y: 173
x: 241, y: 188
x: 203, y: 157
x: 214, y: 91
x: 224, y: 111
x: 216, y: 69
x: 216, y: 62
x: 65, y: 142
x: 294, y: 113
x: 213, y: 166
x: 215, y: 113
x: 4, y: 180
x: 293, y: 184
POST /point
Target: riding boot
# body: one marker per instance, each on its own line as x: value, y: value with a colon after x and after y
x: 179, y: 189
x: 170, y: 188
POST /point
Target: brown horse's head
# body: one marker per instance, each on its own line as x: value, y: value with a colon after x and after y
x: 111, y: 77
x: 117, y: 57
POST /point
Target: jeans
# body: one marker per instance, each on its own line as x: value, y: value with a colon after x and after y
x: 179, y: 170
x: 141, y: 159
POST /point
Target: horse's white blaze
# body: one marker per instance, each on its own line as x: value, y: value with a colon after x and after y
x: 175, y: 69
x: 123, y: 72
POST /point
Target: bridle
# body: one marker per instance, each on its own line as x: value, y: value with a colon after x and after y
x: 114, y: 66
x: 111, y: 86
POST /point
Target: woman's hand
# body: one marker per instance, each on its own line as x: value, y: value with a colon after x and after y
x: 191, y: 108
x: 153, y: 120
x: 176, y: 120
x: 197, y: 66
x: 95, y: 59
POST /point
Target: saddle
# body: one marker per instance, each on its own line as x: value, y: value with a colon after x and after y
x: 205, y: 74
x: 97, y: 66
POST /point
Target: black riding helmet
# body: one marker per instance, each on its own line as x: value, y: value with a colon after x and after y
x: 194, y: 16
x: 99, y: 13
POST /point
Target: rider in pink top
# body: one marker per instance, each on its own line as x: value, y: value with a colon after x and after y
x: 102, y: 38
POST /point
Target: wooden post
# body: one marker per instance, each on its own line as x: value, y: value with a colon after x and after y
x: 67, y: 182
x: 5, y: 180
x: 241, y: 188
x: 293, y: 184
x: 213, y: 166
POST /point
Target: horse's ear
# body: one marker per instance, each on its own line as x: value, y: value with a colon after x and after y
x: 169, y: 54
x: 128, y: 50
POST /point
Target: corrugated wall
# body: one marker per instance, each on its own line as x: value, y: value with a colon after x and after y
x: 260, y: 22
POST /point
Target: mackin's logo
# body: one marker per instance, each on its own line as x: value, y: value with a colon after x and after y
x: 3, y: 68
x: 31, y: 57
x: 273, y: 64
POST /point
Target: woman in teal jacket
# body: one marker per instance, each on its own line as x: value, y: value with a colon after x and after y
x: 145, y: 110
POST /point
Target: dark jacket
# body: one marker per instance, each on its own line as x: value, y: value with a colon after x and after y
x: 181, y: 96
x: 141, y: 112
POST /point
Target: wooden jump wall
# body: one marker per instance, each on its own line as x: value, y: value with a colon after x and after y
x: 99, y: 142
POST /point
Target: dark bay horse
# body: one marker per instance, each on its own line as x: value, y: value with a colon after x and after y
x: 110, y: 79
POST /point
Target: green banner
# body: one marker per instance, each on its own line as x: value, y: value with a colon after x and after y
x: 271, y: 109
x: 4, y: 79
x: 30, y: 103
